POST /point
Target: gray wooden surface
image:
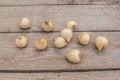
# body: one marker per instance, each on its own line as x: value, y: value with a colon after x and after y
x: 13, y: 58
x: 56, y: 2
x: 97, y: 17
x: 88, y: 17
x: 102, y: 75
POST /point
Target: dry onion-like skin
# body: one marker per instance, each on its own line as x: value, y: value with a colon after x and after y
x: 25, y: 23
x: 21, y: 41
x: 59, y: 42
x: 74, y: 56
x: 47, y: 25
x: 67, y: 34
x: 101, y: 42
x: 40, y: 44
x: 71, y: 24
x: 84, y: 38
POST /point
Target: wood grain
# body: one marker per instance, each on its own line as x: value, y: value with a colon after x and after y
x: 88, y: 17
x: 103, y: 75
x: 13, y: 58
x: 57, y: 2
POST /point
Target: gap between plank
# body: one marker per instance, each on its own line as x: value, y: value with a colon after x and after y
x: 57, y: 71
x: 59, y: 31
x: 53, y: 5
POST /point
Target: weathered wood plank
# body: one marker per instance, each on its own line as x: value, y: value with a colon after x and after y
x: 45, y: 2
x: 88, y: 17
x: 102, y: 75
x: 12, y: 58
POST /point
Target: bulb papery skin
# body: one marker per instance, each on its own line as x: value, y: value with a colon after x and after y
x: 40, y: 44
x: 47, y: 25
x: 74, y: 56
x: 67, y: 34
x: 21, y: 41
x: 59, y: 42
x: 25, y: 23
x: 71, y: 24
x: 101, y: 42
x: 84, y: 38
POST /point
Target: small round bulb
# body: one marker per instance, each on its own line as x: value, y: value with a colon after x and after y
x: 21, y: 41
x: 101, y: 42
x: 59, y: 42
x: 71, y: 24
x: 25, y: 23
x: 67, y: 34
x: 40, y: 44
x: 74, y: 56
x: 47, y: 26
x: 84, y: 38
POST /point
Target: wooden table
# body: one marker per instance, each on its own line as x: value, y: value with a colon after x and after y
x: 97, y: 17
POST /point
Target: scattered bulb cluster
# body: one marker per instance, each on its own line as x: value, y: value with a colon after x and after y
x: 66, y: 34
